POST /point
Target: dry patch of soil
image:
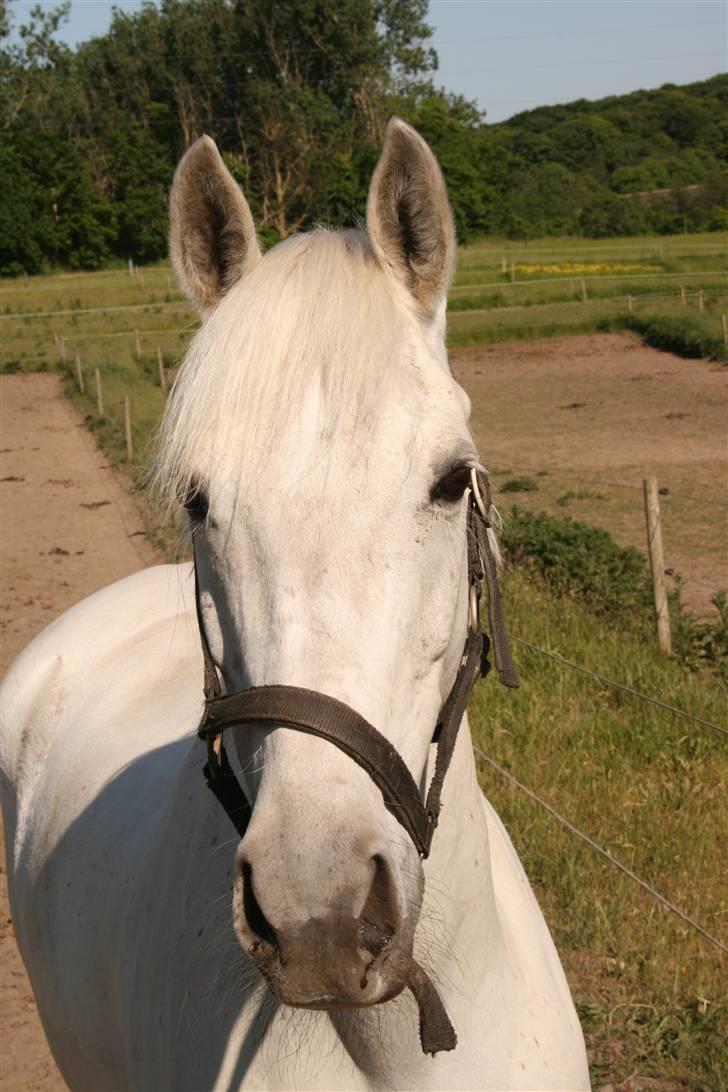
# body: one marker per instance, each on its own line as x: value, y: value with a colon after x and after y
x: 69, y: 527
x: 598, y: 414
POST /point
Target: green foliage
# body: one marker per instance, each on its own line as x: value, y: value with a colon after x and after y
x: 519, y: 485
x: 684, y: 335
x: 579, y: 560
x: 585, y: 564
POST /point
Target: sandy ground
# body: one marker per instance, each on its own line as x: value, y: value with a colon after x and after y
x: 587, y: 410
x: 69, y: 527
x: 588, y: 418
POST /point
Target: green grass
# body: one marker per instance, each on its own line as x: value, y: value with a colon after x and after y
x: 648, y: 787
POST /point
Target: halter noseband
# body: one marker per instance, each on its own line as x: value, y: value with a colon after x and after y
x: 326, y: 717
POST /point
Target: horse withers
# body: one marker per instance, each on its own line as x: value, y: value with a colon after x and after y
x: 320, y: 446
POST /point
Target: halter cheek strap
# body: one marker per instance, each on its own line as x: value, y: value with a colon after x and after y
x: 321, y: 715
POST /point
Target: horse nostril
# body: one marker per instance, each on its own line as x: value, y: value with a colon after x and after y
x: 256, y: 919
x: 376, y: 924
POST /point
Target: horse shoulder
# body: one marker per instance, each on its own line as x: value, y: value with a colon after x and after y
x: 90, y: 654
x: 539, y: 990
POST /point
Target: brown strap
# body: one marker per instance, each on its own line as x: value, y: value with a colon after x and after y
x: 223, y: 783
x: 324, y: 716
x: 436, y: 1031
x: 496, y: 619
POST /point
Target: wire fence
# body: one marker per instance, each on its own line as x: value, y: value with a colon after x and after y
x: 674, y: 709
x: 578, y: 277
x: 613, y: 861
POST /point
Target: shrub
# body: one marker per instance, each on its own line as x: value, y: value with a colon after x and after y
x: 579, y: 560
x: 519, y: 485
x: 684, y: 335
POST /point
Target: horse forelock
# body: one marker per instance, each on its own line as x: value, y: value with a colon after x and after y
x: 318, y: 312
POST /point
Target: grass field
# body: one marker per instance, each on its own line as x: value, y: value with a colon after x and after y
x: 646, y: 785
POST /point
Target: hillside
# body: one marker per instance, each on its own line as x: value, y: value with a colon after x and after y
x: 570, y: 164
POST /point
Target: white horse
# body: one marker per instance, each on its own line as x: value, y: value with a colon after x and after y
x: 321, y: 446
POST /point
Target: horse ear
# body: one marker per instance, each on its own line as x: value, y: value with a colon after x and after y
x: 409, y: 219
x: 212, y: 239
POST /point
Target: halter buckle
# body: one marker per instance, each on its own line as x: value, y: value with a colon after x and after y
x: 480, y: 504
x: 474, y: 608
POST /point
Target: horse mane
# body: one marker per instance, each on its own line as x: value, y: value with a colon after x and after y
x: 317, y: 309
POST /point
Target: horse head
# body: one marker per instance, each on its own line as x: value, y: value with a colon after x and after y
x: 320, y: 445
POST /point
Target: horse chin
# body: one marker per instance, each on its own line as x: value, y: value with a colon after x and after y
x: 378, y: 994
x: 331, y: 979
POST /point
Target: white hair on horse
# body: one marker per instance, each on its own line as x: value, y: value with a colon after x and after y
x: 318, y: 310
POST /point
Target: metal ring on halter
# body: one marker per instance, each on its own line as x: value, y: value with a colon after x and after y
x: 474, y: 609
x: 477, y: 495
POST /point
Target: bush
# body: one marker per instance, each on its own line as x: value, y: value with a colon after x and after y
x: 681, y: 334
x: 519, y: 485
x: 684, y: 335
x: 585, y: 563
x: 579, y: 560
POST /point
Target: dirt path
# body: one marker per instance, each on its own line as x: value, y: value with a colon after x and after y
x: 588, y: 418
x: 68, y: 528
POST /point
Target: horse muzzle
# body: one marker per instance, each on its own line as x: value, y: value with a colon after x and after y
x: 353, y: 951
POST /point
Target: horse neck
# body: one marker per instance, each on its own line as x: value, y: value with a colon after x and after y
x: 458, y: 933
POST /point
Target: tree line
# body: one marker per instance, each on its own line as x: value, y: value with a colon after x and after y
x: 296, y: 94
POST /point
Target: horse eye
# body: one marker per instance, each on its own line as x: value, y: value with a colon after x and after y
x: 453, y: 485
x: 196, y: 503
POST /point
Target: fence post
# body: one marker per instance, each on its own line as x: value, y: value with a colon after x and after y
x: 504, y: 264
x: 131, y: 267
x: 127, y: 429
x: 79, y: 373
x: 99, y: 398
x: 137, y: 345
x: 701, y: 300
x: 657, y: 564
x: 62, y: 348
x: 513, y: 272
x: 583, y: 291
x: 162, y: 377
x: 629, y: 304
x: 683, y: 300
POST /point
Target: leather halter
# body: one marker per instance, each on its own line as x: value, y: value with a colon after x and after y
x: 326, y: 717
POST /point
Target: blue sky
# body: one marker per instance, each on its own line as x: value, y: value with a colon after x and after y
x: 510, y: 55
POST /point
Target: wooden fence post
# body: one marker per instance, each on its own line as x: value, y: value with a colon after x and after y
x: 131, y: 267
x: 657, y: 564
x: 79, y: 373
x: 99, y: 398
x: 127, y: 429
x: 583, y: 291
x: 162, y: 376
x: 629, y: 304
x: 683, y: 299
x: 137, y: 345
x: 701, y: 300
x: 513, y: 272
